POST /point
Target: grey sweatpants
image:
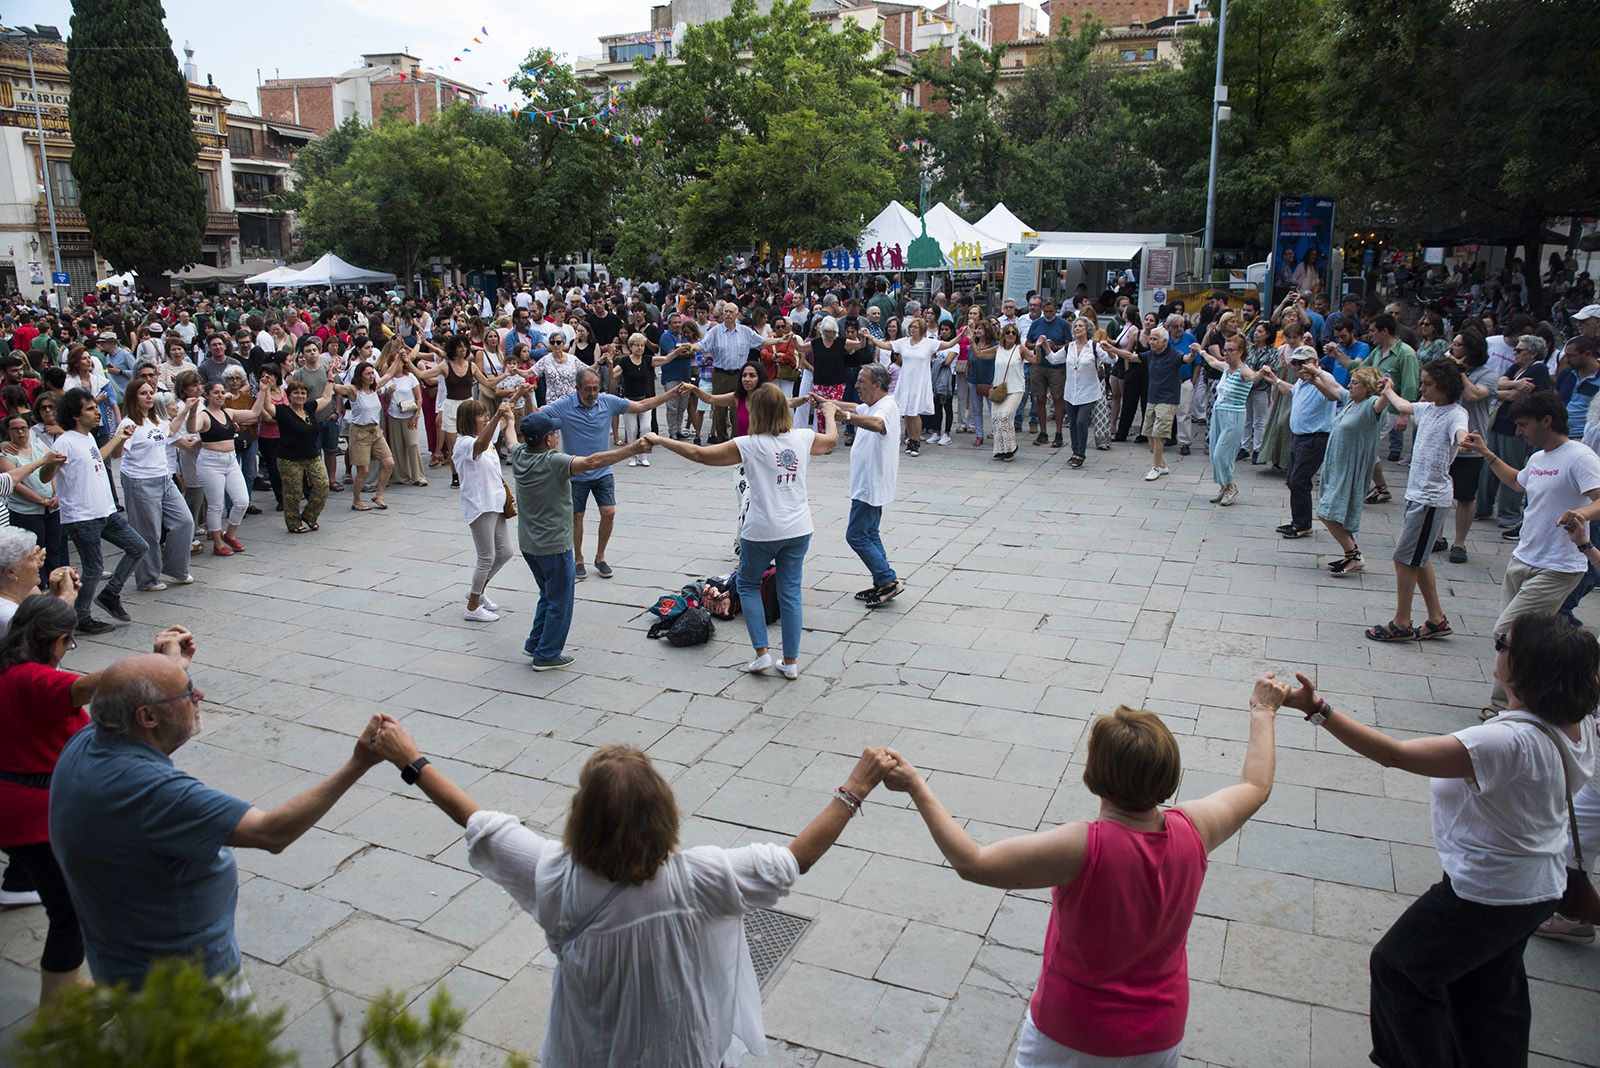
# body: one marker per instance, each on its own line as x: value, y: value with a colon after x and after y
x: 153, y: 503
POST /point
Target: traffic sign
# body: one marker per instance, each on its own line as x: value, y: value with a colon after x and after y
x: 60, y: 278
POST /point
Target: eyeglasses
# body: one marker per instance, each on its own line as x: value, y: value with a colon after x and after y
x: 189, y: 693
x: 1500, y: 643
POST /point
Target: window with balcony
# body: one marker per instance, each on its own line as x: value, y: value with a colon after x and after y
x: 64, y: 184
x: 254, y: 190
x: 241, y: 142
x: 1138, y: 55
x: 627, y: 53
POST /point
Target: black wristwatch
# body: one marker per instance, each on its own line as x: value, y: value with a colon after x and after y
x: 410, y: 773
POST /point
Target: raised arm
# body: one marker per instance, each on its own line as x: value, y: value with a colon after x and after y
x: 489, y: 430
x: 277, y: 828
x: 809, y: 845
x: 1216, y: 363
x: 724, y: 454
x: 1438, y: 757
x: 640, y: 406
x: 1219, y: 815
x: 584, y: 464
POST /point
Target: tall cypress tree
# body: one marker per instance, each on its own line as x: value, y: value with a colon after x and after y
x: 134, y: 148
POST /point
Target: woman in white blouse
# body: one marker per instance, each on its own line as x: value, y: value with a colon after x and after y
x: 652, y: 967
x: 1010, y: 359
x: 152, y: 498
x: 405, y: 415
x: 483, y: 496
x: 1084, y: 357
x: 914, y: 392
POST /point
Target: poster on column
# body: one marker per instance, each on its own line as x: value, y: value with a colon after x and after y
x: 1302, y: 246
x: 1022, y: 273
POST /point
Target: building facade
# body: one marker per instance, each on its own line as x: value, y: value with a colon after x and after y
x: 386, y: 84
x: 27, y: 261
x: 261, y: 156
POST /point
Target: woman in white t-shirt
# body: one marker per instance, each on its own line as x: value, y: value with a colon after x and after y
x: 777, y: 528
x: 151, y: 497
x: 1448, y: 975
x: 404, y: 417
x: 483, y: 497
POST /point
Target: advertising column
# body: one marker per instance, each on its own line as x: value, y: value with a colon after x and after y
x: 1302, y: 247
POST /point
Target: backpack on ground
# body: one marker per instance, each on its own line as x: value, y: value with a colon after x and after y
x: 692, y: 626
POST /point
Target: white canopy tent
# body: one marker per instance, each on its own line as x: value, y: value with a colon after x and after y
x: 1002, y: 225
x: 948, y: 228
x: 896, y: 224
x: 330, y: 270
x: 278, y: 276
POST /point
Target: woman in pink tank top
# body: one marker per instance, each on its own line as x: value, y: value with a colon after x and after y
x: 1114, y: 989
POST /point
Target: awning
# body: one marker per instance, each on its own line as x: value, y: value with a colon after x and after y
x: 291, y: 131
x: 1097, y: 251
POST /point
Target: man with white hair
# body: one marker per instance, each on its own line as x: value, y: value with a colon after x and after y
x: 1163, y: 363
x: 874, y: 468
x: 728, y: 344
x: 146, y: 848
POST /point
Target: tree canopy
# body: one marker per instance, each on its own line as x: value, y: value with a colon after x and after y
x: 134, y: 148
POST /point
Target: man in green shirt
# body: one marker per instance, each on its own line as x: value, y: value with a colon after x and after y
x: 1397, y: 360
x: 542, y: 475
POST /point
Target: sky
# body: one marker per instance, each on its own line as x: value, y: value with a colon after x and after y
x: 308, y: 38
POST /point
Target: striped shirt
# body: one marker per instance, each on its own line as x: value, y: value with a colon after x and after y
x: 1232, y: 391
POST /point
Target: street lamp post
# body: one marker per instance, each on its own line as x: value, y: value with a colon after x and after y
x: 1219, y: 114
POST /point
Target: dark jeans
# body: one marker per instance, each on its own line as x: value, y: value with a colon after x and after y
x: 63, y: 941
x: 86, y: 536
x: 1305, y: 459
x: 1448, y: 986
x: 862, y: 535
x: 557, y: 578
x: 47, y: 528
x: 1135, y: 399
x: 1590, y: 580
x: 1081, y: 419
x: 269, y: 460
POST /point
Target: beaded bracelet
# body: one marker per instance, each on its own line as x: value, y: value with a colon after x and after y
x: 849, y: 800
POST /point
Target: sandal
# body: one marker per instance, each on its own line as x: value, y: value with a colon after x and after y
x: 1075, y: 461
x: 1291, y: 533
x: 363, y: 507
x: 313, y: 526
x: 420, y: 482
x: 382, y: 506
x: 1378, y: 495
x: 1430, y: 629
x: 1388, y: 632
x: 301, y: 529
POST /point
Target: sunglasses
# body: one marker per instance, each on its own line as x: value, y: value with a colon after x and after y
x: 1500, y: 643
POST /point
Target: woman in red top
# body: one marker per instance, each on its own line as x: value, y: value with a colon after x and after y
x: 1115, y: 981
x: 41, y: 707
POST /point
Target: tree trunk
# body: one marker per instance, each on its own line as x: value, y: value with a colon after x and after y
x: 1533, y: 245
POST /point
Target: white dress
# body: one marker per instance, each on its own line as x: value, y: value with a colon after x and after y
x: 662, y: 975
x: 913, y: 394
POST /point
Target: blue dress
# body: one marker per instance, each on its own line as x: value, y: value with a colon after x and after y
x: 1347, y: 466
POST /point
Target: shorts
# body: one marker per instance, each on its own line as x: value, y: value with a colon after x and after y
x: 1159, y: 419
x: 604, y: 489
x: 328, y: 436
x: 367, y: 444
x: 1465, y: 471
x: 1048, y: 379
x: 1419, y: 527
x: 447, y: 415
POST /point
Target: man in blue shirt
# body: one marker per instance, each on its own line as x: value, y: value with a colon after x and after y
x: 678, y: 369
x: 146, y: 849
x: 1311, y: 411
x: 584, y: 419
x: 728, y: 344
x: 522, y: 332
x: 1345, y: 351
x: 1579, y: 384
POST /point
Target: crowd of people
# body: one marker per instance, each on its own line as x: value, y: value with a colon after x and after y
x: 153, y: 424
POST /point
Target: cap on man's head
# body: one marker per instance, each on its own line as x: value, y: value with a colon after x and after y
x: 105, y: 335
x: 535, y: 425
x: 1588, y: 311
x: 1303, y: 354
x: 155, y: 327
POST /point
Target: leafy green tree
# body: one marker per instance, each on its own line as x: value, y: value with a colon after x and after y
x: 774, y: 126
x: 1467, y: 119
x: 322, y: 157
x: 134, y: 147
x: 406, y: 192
x: 969, y: 144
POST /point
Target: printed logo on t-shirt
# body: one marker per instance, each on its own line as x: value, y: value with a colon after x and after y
x: 1542, y: 472
x: 788, y: 461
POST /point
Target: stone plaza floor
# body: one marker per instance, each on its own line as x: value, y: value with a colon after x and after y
x: 1038, y: 597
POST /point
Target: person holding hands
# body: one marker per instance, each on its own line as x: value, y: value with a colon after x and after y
x: 652, y: 966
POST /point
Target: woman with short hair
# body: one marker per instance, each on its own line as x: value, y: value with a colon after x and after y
x: 777, y: 530
x: 1115, y: 982
x: 1448, y: 983
x: 652, y: 966
x: 305, y: 476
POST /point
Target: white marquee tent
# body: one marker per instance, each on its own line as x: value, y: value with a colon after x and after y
x: 1002, y: 225
x: 275, y: 277
x: 948, y: 228
x: 330, y: 270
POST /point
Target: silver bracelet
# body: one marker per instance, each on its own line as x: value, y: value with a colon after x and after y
x: 849, y: 800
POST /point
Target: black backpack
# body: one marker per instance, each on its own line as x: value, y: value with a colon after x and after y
x: 693, y: 626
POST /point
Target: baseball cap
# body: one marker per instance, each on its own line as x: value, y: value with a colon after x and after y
x: 154, y: 327
x: 105, y: 335
x: 1303, y: 354
x: 1588, y: 311
x: 535, y: 425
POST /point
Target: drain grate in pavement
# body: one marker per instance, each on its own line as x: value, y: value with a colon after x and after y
x: 772, y: 936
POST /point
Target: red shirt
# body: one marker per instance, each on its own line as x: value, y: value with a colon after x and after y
x: 1115, y: 981
x: 37, y: 717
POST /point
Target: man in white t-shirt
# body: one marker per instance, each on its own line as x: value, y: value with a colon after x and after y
x: 1441, y: 429
x: 89, y: 512
x: 1560, y: 476
x: 874, y: 466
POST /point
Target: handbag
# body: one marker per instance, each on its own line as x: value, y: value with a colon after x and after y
x: 999, y: 391
x: 1580, y: 901
x: 510, y: 509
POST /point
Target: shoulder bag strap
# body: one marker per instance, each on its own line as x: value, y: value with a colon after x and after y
x: 1572, y: 815
x: 594, y: 914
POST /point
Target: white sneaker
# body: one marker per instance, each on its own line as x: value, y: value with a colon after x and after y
x: 480, y: 614
x: 1163, y: 471
x: 944, y: 439
x: 789, y: 671
x: 484, y: 602
x: 12, y: 899
x: 644, y: 461
x: 187, y: 580
x: 1152, y: 474
x: 760, y: 664
x: 633, y: 461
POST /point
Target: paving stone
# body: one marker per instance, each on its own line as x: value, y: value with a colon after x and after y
x: 275, y: 921
x: 849, y: 939
x: 1270, y: 960
x: 928, y: 958
x: 850, y: 1017
x: 924, y: 892
x: 395, y: 886
x: 366, y: 956
x: 1319, y: 854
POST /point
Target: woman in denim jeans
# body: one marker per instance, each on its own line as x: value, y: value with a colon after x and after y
x: 777, y: 529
